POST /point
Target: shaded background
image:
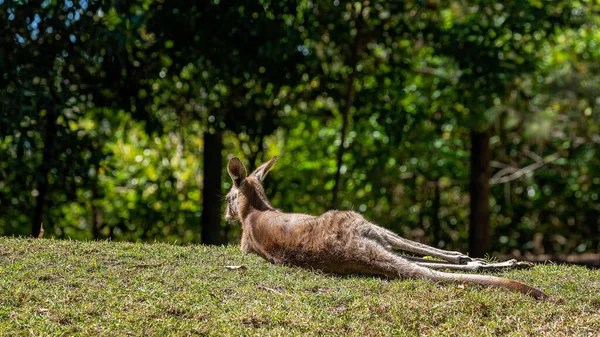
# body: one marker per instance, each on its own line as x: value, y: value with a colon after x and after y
x: 467, y: 125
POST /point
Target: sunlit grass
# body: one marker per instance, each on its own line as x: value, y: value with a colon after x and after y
x: 51, y: 288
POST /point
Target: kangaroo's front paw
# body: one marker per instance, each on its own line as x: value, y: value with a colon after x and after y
x: 464, y: 259
x: 522, y: 264
x: 478, y: 263
x: 512, y: 263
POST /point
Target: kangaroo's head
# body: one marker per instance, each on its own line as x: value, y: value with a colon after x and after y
x: 247, y: 192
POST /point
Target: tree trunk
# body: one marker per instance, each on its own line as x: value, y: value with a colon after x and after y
x: 479, y: 229
x: 96, y: 213
x: 44, y: 170
x: 350, y: 92
x: 96, y: 220
x: 435, y: 209
x: 212, y: 233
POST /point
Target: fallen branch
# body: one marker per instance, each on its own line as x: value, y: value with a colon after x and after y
x: 439, y: 73
x: 518, y: 173
x: 505, y: 171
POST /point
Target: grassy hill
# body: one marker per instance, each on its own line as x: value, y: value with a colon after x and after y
x: 55, y: 288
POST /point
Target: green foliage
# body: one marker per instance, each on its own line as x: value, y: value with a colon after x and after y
x: 103, y: 106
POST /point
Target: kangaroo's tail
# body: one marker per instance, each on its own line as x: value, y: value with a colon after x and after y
x: 483, y: 280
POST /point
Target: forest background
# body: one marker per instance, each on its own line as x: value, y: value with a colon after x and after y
x: 468, y: 125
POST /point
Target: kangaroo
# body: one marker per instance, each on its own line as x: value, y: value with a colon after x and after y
x: 343, y: 242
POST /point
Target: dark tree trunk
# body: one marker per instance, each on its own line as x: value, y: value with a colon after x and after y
x: 44, y: 170
x: 96, y: 213
x: 212, y: 232
x: 350, y: 92
x: 435, y: 217
x: 479, y: 229
x: 96, y: 221
x: 592, y: 217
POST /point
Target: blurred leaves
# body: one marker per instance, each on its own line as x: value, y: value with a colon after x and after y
x: 136, y: 84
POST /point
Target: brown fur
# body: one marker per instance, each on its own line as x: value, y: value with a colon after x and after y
x: 340, y: 242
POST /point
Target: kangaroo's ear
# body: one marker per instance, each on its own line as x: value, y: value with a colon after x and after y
x: 237, y: 171
x: 261, y: 172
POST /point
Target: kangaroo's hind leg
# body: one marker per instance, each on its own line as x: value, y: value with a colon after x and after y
x: 397, y: 242
x: 377, y: 260
x: 469, y: 266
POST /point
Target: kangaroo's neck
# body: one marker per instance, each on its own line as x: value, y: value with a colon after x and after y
x: 254, y: 200
x: 252, y: 204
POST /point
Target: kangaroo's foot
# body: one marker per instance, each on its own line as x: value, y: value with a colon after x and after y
x: 510, y: 264
x: 474, y: 265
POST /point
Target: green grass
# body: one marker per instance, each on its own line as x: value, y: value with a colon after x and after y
x: 55, y: 288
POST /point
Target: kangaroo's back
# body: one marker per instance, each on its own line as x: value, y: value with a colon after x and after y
x: 301, y: 239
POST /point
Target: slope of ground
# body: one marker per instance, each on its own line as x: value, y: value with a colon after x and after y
x: 54, y: 288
